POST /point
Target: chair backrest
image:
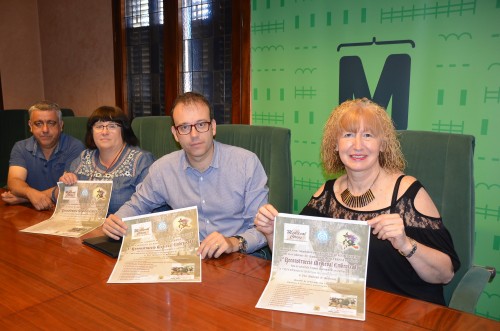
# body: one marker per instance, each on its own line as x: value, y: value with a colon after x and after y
x: 443, y: 163
x: 67, y: 112
x: 13, y: 127
x: 76, y: 126
x: 154, y: 134
x: 270, y: 144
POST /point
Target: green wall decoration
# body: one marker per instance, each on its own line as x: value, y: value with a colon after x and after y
x: 435, y: 65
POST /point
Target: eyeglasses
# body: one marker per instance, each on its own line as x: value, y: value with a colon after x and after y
x: 186, y: 128
x: 40, y: 124
x: 110, y: 127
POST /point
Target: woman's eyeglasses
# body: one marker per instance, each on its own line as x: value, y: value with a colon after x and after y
x: 110, y: 127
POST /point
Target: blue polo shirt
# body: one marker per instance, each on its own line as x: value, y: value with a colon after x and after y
x: 42, y: 173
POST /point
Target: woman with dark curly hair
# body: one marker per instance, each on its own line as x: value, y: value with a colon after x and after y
x: 411, y: 252
x: 112, y: 154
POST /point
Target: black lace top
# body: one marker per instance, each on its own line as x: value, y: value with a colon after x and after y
x: 387, y: 269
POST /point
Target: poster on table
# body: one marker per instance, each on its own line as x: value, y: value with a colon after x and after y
x: 319, y: 267
x: 160, y: 248
x: 80, y: 208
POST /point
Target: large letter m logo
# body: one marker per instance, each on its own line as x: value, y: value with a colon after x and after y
x: 394, y: 82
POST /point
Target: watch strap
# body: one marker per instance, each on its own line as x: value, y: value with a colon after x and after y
x: 242, y: 244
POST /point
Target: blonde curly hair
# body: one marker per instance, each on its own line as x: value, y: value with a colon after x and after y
x: 348, y: 116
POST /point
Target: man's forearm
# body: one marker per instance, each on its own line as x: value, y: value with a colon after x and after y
x: 21, y: 189
x: 18, y: 187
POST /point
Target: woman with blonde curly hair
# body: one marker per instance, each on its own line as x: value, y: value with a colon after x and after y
x: 348, y: 117
x: 411, y: 252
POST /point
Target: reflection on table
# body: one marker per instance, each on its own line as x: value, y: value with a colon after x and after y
x: 57, y: 283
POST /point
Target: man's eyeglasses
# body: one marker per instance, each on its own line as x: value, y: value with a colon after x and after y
x: 110, y: 127
x: 186, y: 128
x: 40, y: 124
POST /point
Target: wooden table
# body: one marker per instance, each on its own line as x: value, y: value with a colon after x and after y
x: 57, y: 283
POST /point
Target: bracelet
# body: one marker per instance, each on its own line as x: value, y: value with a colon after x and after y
x: 413, y: 249
x: 53, y: 195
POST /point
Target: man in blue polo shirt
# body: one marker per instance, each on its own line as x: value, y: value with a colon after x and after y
x: 36, y: 163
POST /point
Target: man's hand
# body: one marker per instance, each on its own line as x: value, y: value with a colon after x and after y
x: 264, y: 220
x: 12, y: 199
x: 40, y: 200
x: 215, y: 244
x: 114, y: 227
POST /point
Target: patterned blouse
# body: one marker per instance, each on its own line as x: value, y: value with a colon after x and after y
x: 128, y: 171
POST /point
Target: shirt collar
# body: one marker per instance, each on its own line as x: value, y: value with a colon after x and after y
x: 215, y: 159
x: 33, y: 146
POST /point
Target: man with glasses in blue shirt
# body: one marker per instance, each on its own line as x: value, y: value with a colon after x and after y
x: 226, y: 183
x: 36, y: 163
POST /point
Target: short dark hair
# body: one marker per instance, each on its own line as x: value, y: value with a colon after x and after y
x: 189, y: 98
x: 46, y: 105
x: 110, y: 114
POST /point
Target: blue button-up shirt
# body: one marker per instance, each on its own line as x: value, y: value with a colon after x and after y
x: 228, y: 194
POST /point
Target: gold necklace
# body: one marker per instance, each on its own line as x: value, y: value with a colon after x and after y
x: 114, y: 160
x: 358, y: 201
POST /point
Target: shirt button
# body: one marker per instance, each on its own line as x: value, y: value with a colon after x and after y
x: 203, y: 201
x: 201, y: 179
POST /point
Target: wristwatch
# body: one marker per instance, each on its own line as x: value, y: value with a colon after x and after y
x: 242, y: 244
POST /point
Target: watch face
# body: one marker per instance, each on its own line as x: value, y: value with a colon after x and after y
x: 242, y: 244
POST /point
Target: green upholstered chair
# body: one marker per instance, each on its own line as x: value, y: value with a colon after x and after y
x: 270, y: 144
x: 13, y: 127
x: 154, y: 134
x: 76, y: 126
x: 443, y: 163
x: 67, y: 112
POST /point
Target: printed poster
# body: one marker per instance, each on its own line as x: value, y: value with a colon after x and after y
x: 319, y: 267
x: 160, y: 248
x: 80, y: 208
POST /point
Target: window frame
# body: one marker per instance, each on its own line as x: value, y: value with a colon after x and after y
x: 240, y: 112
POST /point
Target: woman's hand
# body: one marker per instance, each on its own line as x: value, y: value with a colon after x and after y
x: 68, y: 178
x: 431, y: 265
x: 390, y: 227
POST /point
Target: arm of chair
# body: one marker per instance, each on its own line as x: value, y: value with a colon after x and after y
x: 470, y: 287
